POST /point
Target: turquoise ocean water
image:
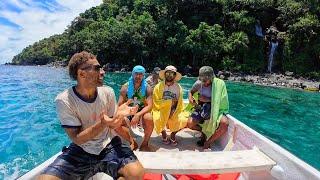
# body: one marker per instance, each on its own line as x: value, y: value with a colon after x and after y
x: 30, y: 132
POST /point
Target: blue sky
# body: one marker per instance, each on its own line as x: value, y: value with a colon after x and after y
x: 23, y: 22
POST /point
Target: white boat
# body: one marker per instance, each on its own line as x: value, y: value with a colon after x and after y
x: 240, y: 150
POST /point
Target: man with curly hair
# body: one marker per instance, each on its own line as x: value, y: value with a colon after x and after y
x: 88, y: 113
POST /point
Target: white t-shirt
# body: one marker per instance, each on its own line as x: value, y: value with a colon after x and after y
x: 75, y: 112
x: 171, y: 92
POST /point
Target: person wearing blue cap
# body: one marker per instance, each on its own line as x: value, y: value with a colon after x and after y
x: 138, y: 90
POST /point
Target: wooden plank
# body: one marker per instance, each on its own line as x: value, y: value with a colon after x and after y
x: 189, y: 162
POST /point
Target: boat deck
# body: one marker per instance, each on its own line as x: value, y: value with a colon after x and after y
x: 186, y: 139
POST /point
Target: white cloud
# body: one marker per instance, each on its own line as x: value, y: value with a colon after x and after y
x: 36, y: 23
x: 18, y: 4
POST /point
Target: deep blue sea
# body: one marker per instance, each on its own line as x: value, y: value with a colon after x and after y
x: 30, y: 131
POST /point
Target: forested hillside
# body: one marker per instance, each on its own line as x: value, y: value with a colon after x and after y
x: 226, y: 34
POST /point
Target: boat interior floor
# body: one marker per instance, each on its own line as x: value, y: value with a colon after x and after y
x: 186, y: 141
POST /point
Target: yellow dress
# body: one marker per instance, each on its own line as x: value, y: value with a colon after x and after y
x: 161, y: 111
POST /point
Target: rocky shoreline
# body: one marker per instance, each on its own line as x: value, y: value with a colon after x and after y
x: 286, y: 80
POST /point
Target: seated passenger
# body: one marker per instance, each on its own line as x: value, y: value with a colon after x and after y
x: 168, y: 106
x: 210, y: 108
x: 137, y: 90
x: 88, y: 112
x: 153, y: 79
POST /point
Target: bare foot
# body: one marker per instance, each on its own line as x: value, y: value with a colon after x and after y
x: 134, y: 145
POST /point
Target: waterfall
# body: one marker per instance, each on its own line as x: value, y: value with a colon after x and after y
x: 258, y: 29
x: 273, y: 48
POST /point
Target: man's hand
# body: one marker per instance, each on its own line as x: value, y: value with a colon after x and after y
x: 126, y: 110
x: 134, y: 121
x: 110, y: 122
x: 192, y: 100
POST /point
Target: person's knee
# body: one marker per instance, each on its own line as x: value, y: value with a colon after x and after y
x: 224, y: 121
x: 147, y: 120
x: 134, y: 171
x: 148, y: 117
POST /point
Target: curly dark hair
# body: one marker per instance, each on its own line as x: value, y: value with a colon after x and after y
x: 76, y: 61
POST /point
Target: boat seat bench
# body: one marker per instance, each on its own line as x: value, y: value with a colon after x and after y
x: 191, y: 162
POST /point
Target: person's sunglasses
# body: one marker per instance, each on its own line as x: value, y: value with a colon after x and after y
x: 170, y: 73
x: 97, y: 67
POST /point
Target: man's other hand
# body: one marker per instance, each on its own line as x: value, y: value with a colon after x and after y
x: 126, y: 110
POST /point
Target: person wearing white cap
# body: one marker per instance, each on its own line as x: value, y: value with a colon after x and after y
x: 168, y: 105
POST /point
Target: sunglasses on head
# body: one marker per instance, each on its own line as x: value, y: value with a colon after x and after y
x: 97, y: 67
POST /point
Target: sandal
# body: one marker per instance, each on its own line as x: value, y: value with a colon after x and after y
x: 166, y: 141
x: 174, y: 142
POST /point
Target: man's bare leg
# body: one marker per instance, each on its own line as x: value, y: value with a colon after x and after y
x: 124, y: 132
x: 223, y: 128
x: 133, y: 170
x: 47, y: 177
x: 147, y: 124
x: 194, y: 125
x: 164, y: 134
x: 173, y: 135
x: 173, y: 138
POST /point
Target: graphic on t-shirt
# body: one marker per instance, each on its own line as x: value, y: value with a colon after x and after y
x: 138, y: 100
x: 135, y: 101
x: 169, y: 95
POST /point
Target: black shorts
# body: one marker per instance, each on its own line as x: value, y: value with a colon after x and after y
x: 75, y: 163
x: 202, y: 112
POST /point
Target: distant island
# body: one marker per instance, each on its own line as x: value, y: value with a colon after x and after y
x: 251, y: 37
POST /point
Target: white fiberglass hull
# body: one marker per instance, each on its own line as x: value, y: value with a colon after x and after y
x: 239, y: 137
